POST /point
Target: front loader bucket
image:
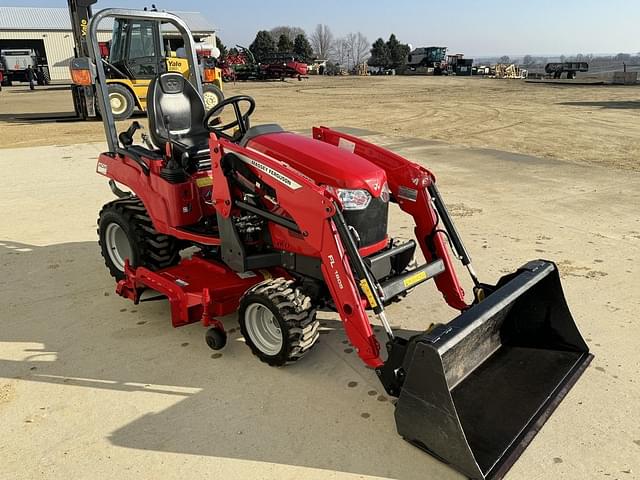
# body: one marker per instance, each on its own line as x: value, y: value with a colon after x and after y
x: 478, y: 389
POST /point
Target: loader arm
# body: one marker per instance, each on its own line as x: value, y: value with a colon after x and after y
x: 409, y: 184
x: 313, y: 210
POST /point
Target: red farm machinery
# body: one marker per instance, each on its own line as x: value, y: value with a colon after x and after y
x: 242, y: 65
x: 285, y: 225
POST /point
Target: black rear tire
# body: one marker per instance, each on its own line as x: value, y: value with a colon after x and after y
x: 292, y: 316
x: 127, y: 221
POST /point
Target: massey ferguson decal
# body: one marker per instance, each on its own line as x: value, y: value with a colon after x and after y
x: 280, y: 177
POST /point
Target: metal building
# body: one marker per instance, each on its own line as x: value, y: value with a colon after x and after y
x: 48, y: 32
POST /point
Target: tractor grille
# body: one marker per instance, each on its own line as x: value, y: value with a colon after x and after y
x: 371, y: 223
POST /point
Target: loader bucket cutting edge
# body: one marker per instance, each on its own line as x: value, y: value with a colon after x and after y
x: 478, y: 389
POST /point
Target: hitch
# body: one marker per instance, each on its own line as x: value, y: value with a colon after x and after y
x: 392, y: 373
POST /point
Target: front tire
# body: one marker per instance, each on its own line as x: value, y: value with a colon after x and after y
x: 278, y: 322
x: 125, y: 231
x: 122, y: 101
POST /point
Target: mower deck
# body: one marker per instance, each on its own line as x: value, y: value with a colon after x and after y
x: 197, y: 289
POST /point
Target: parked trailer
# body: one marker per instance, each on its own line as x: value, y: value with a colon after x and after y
x: 283, y: 65
x: 570, y: 68
x: 23, y: 65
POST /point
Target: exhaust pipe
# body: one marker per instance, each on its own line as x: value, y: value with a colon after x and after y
x: 477, y: 390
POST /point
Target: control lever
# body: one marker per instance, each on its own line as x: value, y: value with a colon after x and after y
x: 126, y: 138
x: 185, y: 160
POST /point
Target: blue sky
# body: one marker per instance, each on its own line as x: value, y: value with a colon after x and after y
x: 482, y: 27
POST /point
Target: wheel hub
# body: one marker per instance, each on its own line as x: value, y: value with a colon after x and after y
x: 118, y: 245
x: 118, y: 103
x: 210, y: 100
x: 263, y: 329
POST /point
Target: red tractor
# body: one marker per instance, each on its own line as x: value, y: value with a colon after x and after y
x: 282, y: 225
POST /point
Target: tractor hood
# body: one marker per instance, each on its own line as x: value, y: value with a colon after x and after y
x: 324, y: 163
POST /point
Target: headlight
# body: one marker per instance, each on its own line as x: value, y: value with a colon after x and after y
x: 353, y: 199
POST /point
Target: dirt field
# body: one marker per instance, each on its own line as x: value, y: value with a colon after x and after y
x: 597, y: 124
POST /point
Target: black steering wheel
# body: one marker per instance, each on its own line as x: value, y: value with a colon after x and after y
x: 241, y: 122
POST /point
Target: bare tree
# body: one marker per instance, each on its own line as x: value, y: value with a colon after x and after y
x: 350, y: 51
x: 322, y: 41
x: 358, y: 48
x: 289, y: 31
x: 339, y: 52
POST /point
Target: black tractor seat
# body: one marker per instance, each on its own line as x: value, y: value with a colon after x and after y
x: 176, y: 115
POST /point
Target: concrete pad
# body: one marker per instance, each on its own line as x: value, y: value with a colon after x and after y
x: 92, y: 385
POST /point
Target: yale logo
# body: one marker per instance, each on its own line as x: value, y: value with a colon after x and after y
x: 174, y: 64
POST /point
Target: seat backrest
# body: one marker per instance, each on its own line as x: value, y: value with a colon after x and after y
x: 174, y: 99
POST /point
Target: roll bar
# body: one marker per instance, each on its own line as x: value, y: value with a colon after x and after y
x: 94, y: 50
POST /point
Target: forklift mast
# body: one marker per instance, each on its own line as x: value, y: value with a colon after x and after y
x: 80, y: 14
x: 83, y: 96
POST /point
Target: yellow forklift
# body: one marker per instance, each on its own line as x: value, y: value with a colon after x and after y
x: 137, y: 53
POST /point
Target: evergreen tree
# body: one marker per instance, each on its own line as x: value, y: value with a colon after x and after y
x: 302, y: 49
x: 379, y: 54
x: 397, y: 52
x: 222, y: 47
x: 284, y: 44
x: 262, y: 46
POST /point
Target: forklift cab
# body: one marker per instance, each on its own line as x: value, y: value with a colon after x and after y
x: 137, y: 49
x: 137, y: 53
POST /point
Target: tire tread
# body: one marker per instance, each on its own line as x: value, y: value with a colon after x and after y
x: 298, y: 313
x: 154, y: 250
